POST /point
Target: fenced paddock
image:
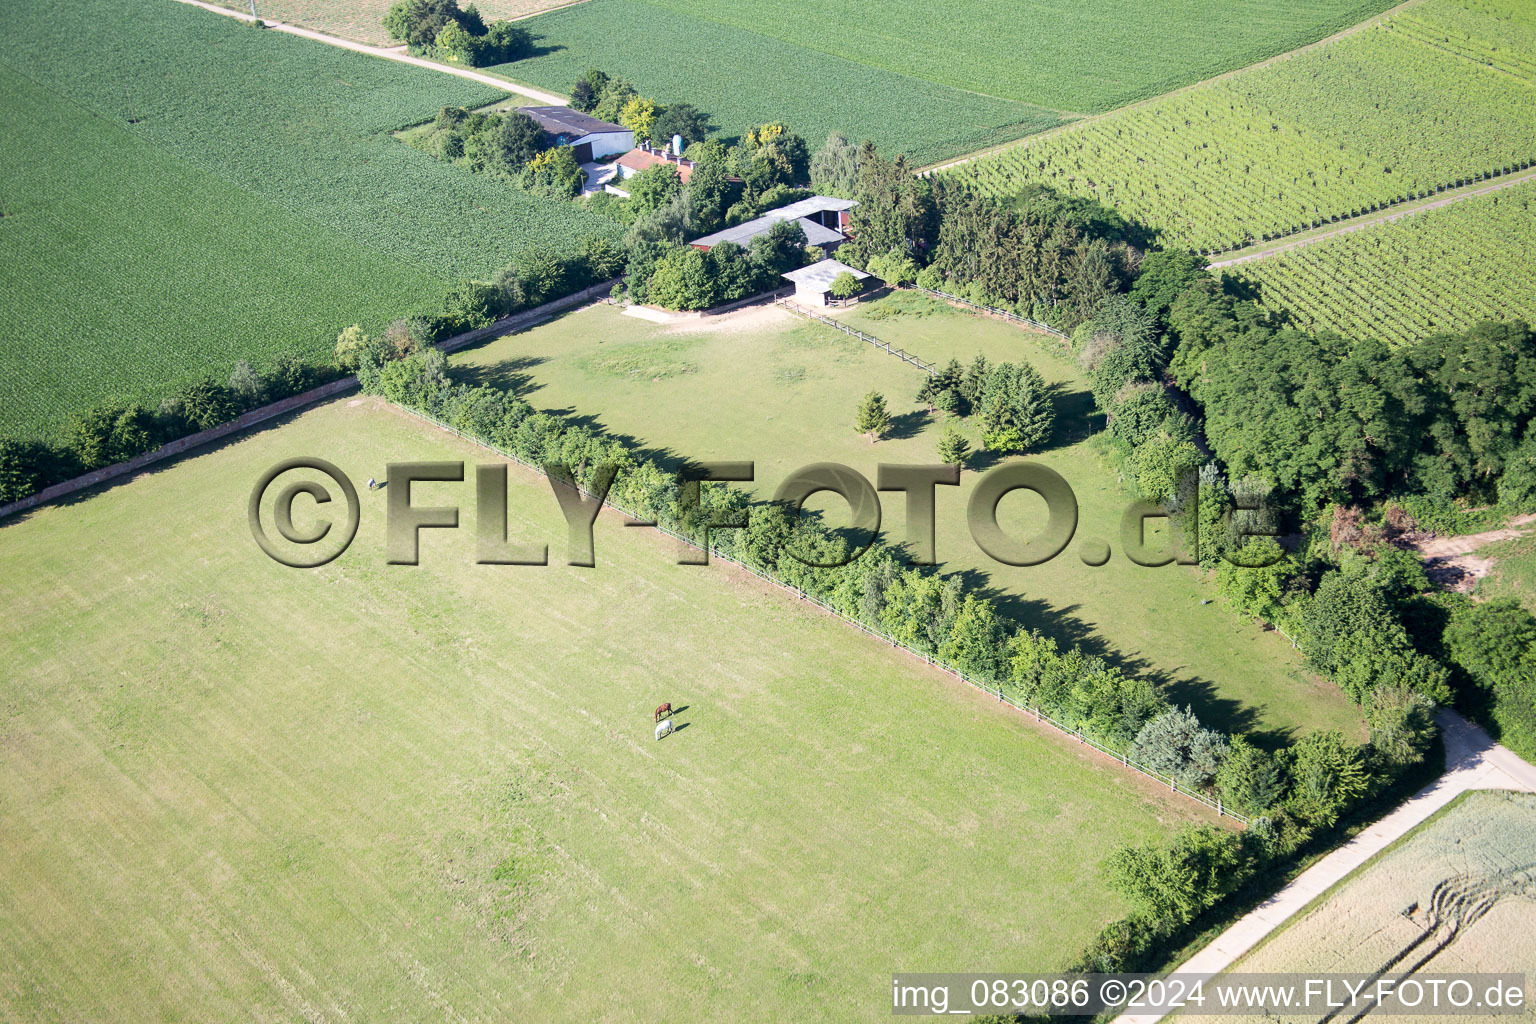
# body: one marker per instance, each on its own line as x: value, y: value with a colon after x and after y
x: 990, y: 687
x: 853, y: 332
x: 411, y: 792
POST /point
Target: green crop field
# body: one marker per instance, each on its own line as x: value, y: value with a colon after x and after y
x: 126, y: 267
x: 181, y: 190
x: 235, y: 791
x: 782, y: 393
x: 743, y: 78
x: 1376, y: 117
x: 1441, y: 270
x: 932, y: 80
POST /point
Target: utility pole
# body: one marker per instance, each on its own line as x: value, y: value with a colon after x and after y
x: 133, y: 115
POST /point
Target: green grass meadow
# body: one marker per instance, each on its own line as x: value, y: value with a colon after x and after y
x: 232, y: 790
x: 782, y: 392
x: 1514, y: 570
x: 182, y: 190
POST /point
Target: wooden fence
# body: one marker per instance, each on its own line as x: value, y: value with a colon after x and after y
x: 989, y: 687
x: 1003, y: 314
x: 853, y: 332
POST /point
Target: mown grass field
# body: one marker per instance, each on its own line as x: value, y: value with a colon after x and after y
x: 363, y: 20
x: 1379, y: 116
x: 1514, y: 571
x: 782, y: 393
x: 232, y: 790
x: 1440, y: 270
x: 182, y: 190
x: 1480, y: 845
x: 744, y: 78
x: 819, y: 66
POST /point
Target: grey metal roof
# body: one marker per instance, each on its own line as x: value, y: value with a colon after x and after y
x: 815, y: 234
x: 820, y: 274
x: 565, y: 121
x: 815, y: 204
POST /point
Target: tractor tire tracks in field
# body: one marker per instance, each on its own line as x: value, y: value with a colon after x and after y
x: 1472, y: 761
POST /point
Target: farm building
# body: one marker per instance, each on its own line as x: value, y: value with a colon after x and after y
x: 642, y: 157
x: 814, y: 283
x: 590, y: 138
x: 824, y: 218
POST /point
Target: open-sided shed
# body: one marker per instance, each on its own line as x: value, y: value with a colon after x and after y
x: 814, y: 283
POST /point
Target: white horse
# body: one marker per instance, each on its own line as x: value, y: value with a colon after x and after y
x: 664, y: 729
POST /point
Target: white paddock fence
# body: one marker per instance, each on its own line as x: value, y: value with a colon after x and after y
x: 990, y: 688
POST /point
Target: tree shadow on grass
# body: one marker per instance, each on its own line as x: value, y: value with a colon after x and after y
x: 1077, y: 418
x: 906, y: 425
x: 1068, y: 630
x: 506, y: 375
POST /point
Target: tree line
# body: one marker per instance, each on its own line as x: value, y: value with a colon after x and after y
x: 439, y: 29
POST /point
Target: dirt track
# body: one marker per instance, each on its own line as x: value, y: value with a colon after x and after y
x: 1386, y: 217
x: 1454, y: 561
x: 396, y: 53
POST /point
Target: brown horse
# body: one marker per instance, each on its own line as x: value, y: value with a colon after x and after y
x: 663, y: 712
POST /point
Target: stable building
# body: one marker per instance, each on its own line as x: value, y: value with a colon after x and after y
x: 589, y: 139
x: 813, y: 284
x: 823, y: 218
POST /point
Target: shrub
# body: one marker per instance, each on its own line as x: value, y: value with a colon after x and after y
x: 1250, y: 779
x: 247, y: 385
x: 1352, y: 633
x: 23, y: 468
x: 202, y: 403
x: 1175, y: 744
x: 845, y: 286
x: 683, y: 280
x: 873, y: 418
x: 1493, y: 645
x: 1170, y: 884
x: 1402, y: 724
x: 553, y: 173
x: 1327, y: 776
x: 1015, y: 405
x: 894, y: 268
x: 351, y: 343
x: 954, y: 449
